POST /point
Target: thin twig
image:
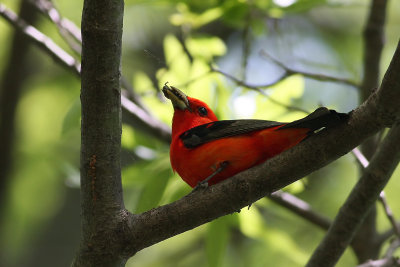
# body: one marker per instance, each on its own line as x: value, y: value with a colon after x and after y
x: 239, y: 82
x: 258, y: 89
x: 300, y: 208
x: 157, y: 128
x: 389, y: 214
x: 72, y: 36
x: 360, y: 157
x: 385, y: 262
x: 363, y: 197
x: 392, y: 248
x: 67, y: 29
x: 44, y: 42
x: 246, y: 45
x: 382, y: 198
x: 319, y: 77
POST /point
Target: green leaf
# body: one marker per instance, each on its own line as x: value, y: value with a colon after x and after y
x: 206, y: 46
x: 284, y: 92
x: 235, y: 13
x: 303, y: 5
x: 195, y: 20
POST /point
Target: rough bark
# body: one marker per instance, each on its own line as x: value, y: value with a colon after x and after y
x: 366, y: 244
x: 101, y: 189
x: 360, y: 201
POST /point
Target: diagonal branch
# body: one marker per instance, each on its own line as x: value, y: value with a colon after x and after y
x: 360, y: 201
x: 365, y: 243
x: 259, y: 89
x: 133, y: 113
x: 389, y: 214
x: 319, y: 77
x: 41, y: 40
x: 200, y: 207
x: 300, y: 208
x: 67, y: 29
x: 72, y: 36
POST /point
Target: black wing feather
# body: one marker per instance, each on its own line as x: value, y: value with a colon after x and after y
x: 320, y: 118
x: 220, y: 129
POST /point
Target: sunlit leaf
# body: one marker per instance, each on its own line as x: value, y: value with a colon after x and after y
x: 206, y: 46
x: 195, y: 20
x: 281, y: 95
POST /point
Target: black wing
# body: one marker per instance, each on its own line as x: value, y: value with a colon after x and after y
x: 320, y: 118
x: 220, y: 129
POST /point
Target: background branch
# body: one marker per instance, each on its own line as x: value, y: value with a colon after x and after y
x: 300, y: 208
x: 259, y: 90
x: 373, y: 46
x: 385, y: 262
x: 41, y: 40
x: 360, y: 201
x: 319, y: 77
x: 67, y: 29
x: 134, y: 114
x: 14, y: 75
x: 389, y: 214
x: 365, y: 243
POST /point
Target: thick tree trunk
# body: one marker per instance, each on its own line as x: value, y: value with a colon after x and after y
x: 101, y: 189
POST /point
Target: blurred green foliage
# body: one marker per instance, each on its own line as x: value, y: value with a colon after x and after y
x: 178, y: 41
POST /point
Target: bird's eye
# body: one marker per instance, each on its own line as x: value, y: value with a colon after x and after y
x: 202, y: 111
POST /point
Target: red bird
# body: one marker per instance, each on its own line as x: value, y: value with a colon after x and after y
x: 206, y: 150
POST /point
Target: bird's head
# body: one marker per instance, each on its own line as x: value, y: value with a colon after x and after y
x: 188, y: 112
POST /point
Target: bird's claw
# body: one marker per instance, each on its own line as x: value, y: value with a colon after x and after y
x: 200, y: 186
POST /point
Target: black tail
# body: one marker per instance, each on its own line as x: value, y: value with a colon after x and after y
x: 320, y: 118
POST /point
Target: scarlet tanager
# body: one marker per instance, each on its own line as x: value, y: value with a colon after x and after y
x: 205, y: 149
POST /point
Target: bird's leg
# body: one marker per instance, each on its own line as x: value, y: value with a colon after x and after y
x: 204, y: 183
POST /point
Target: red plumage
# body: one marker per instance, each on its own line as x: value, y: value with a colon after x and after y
x: 201, y: 143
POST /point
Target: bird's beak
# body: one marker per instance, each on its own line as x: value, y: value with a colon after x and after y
x: 178, y: 98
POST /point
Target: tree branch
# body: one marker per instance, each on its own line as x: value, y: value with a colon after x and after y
x: 67, y: 29
x: 300, y: 208
x: 101, y: 188
x: 41, y: 40
x: 134, y: 114
x: 14, y: 75
x: 72, y: 36
x: 259, y: 90
x: 247, y: 187
x: 373, y: 46
x: 365, y: 243
x: 385, y: 262
x: 389, y: 214
x: 319, y: 77
x: 392, y: 248
x: 360, y: 201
